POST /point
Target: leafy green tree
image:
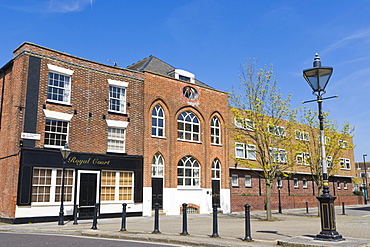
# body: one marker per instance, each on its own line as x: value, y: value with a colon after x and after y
x: 264, y: 122
x: 337, y: 141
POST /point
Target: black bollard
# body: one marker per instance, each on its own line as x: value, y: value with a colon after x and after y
x: 156, y: 218
x: 248, y: 237
x: 215, y: 234
x: 306, y: 207
x: 95, y: 220
x: 184, y: 220
x: 75, y: 211
x: 343, y: 210
x: 123, y: 224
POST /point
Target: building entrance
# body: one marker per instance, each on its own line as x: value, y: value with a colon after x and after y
x: 87, y: 193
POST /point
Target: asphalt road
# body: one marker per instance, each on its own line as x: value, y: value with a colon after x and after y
x: 37, y: 240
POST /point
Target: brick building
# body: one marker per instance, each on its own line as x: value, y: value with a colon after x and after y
x: 49, y: 98
x: 185, y: 154
x: 247, y: 181
x: 149, y: 133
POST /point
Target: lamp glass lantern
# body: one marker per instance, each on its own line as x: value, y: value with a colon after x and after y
x: 65, y: 151
x: 318, y: 77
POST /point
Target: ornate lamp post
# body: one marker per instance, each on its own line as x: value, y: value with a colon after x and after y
x: 318, y: 77
x: 65, y: 153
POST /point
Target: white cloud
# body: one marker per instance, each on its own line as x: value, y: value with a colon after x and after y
x: 66, y: 6
x: 364, y: 34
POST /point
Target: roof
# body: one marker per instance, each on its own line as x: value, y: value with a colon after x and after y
x: 156, y: 65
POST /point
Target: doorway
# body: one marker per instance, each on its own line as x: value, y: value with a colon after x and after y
x: 88, y: 189
x: 157, y: 192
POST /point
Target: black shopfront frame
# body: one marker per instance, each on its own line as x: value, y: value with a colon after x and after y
x: 49, y: 158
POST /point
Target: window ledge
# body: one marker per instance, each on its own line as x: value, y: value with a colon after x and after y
x: 218, y: 145
x: 116, y: 152
x: 118, y: 113
x: 183, y: 140
x: 159, y: 137
x: 58, y: 103
x: 249, y: 186
x: 235, y: 186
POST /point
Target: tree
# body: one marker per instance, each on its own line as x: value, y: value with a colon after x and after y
x: 336, y: 142
x: 264, y: 124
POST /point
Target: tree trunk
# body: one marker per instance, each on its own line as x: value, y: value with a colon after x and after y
x: 268, y: 202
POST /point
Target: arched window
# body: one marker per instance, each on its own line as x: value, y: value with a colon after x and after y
x: 216, y: 170
x: 188, y: 127
x: 188, y: 170
x: 157, y: 121
x: 157, y: 165
x: 215, y: 131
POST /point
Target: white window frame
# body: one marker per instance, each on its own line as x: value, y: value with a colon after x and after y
x: 302, y: 135
x: 278, y: 155
x: 248, y: 181
x: 345, y: 185
x: 57, y: 116
x: 216, y: 169
x: 53, y: 186
x: 117, y: 186
x: 249, y: 151
x: 157, y: 119
x: 303, y: 158
x: 234, y: 180
x: 276, y: 130
x: 122, y: 125
x: 193, y: 124
x: 215, y: 131
x: 296, y: 183
x: 304, y: 183
x: 339, y: 185
x: 244, y: 123
x: 58, y: 135
x: 190, y: 171
x: 345, y: 164
x: 121, y: 86
x: 66, y: 89
x: 158, y: 166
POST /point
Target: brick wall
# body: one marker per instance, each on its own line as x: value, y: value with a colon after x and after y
x: 89, y: 106
x: 167, y: 92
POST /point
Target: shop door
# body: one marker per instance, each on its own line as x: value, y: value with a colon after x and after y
x: 216, y: 192
x: 157, y: 192
x: 87, y: 198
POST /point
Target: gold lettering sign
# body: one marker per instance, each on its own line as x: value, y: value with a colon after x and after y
x: 95, y: 161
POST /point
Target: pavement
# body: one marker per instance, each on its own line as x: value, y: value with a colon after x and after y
x: 294, y: 227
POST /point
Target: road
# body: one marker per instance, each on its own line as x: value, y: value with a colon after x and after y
x: 37, y: 240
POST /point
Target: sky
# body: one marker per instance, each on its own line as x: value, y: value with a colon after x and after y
x: 213, y: 39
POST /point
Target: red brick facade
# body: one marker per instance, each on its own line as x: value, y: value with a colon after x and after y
x: 88, y: 105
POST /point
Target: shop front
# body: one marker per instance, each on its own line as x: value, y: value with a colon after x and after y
x: 90, y: 178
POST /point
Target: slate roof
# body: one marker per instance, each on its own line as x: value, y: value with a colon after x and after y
x: 156, y: 65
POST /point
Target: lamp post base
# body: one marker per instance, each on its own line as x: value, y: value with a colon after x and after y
x: 327, y: 215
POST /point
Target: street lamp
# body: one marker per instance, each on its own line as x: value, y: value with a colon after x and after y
x: 279, y: 185
x: 65, y: 153
x: 366, y: 194
x: 318, y: 77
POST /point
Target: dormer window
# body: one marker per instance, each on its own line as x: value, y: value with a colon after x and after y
x: 184, y: 78
x: 182, y: 75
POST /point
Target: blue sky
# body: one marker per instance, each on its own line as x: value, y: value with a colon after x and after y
x: 212, y: 39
